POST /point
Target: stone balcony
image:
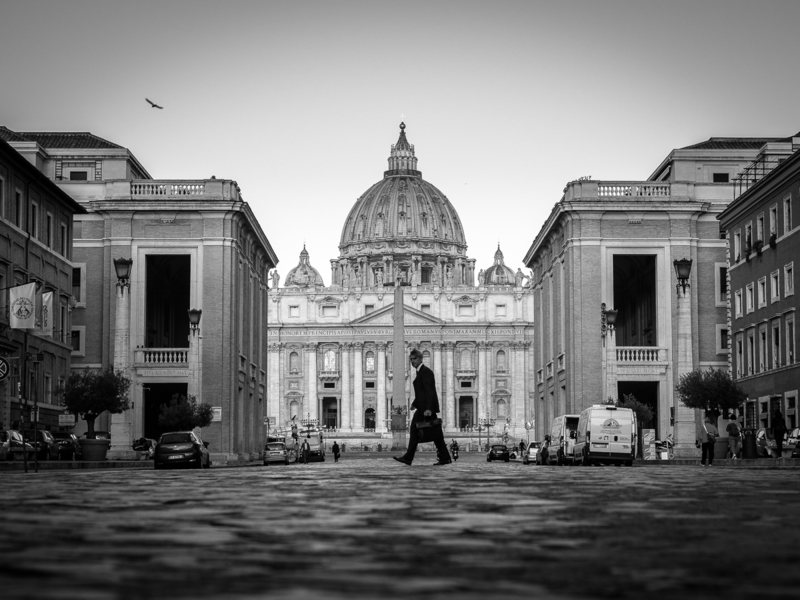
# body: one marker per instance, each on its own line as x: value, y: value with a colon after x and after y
x: 161, y: 357
x: 640, y: 354
x: 653, y: 191
x: 181, y: 190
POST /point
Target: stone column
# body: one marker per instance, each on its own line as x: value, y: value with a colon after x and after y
x: 484, y: 408
x: 121, y: 424
x: 380, y: 417
x: 358, y: 387
x: 518, y: 377
x: 346, y: 416
x: 311, y: 409
x: 274, y: 382
x: 448, y: 384
x: 684, y: 416
x: 440, y: 390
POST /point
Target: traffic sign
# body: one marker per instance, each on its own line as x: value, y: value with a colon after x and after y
x: 5, y: 370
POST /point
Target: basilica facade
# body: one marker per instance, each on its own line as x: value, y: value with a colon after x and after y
x: 330, y: 347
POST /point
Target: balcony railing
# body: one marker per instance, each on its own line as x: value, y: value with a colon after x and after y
x: 616, y: 189
x: 641, y: 354
x: 755, y: 173
x: 162, y: 356
x: 172, y: 188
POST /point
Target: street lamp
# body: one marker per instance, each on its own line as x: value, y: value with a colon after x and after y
x: 123, y: 268
x: 683, y: 268
x: 194, y: 318
x: 608, y: 319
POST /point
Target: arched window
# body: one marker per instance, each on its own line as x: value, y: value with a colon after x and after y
x: 330, y: 361
x: 502, y: 409
x: 294, y: 362
x: 369, y: 419
x: 500, y: 360
x: 466, y: 359
x: 426, y: 358
x: 369, y: 361
x: 294, y: 408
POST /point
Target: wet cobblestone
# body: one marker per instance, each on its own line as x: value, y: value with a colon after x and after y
x: 373, y: 528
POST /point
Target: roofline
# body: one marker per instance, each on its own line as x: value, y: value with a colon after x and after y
x: 41, y: 178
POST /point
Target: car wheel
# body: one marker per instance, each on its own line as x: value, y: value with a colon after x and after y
x: 266, y: 464
x: 157, y: 466
x: 286, y: 462
x: 629, y: 463
x: 506, y: 460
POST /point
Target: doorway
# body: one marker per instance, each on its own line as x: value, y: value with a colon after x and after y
x: 635, y: 299
x: 369, y: 419
x: 167, y: 289
x: 157, y: 395
x: 330, y: 412
x: 466, y: 412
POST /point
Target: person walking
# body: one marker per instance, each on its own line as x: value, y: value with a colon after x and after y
x: 335, y: 450
x: 779, y: 430
x: 709, y: 438
x: 734, y: 437
x: 454, y: 449
x: 305, y: 451
x: 426, y: 405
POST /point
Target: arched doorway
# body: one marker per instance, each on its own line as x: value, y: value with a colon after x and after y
x: 369, y: 419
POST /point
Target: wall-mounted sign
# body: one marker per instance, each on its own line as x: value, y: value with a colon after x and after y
x: 66, y: 420
x: 5, y: 369
x: 216, y: 413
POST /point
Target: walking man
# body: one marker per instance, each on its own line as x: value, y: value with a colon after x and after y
x: 734, y: 437
x: 779, y: 430
x: 426, y: 405
x: 335, y: 450
x: 305, y: 451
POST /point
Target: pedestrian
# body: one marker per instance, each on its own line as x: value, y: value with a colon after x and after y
x: 454, y: 449
x: 521, y: 446
x: 734, y: 437
x: 305, y: 451
x: 761, y: 444
x: 335, y: 450
x: 779, y: 430
x: 708, y: 437
x: 426, y: 406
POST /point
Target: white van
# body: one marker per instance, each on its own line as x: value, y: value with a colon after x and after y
x: 562, y: 439
x: 606, y: 435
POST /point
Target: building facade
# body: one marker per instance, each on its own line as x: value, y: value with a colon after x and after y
x: 330, y: 352
x: 608, y: 250
x: 764, y: 241
x: 36, y: 225
x: 188, y: 245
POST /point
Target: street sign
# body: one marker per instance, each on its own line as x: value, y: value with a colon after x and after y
x: 5, y: 370
x: 528, y: 425
x: 272, y: 421
x: 216, y: 414
x: 66, y: 420
x: 266, y: 421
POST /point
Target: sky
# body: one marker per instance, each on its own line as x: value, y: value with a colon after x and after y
x: 300, y: 101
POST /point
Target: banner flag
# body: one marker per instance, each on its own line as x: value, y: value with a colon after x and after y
x: 44, y: 324
x: 23, y: 306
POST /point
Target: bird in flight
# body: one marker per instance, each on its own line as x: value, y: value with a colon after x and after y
x: 153, y: 104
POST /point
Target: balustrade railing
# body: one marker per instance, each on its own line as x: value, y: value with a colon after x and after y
x: 614, y: 189
x: 172, y: 188
x: 162, y: 356
x: 640, y: 354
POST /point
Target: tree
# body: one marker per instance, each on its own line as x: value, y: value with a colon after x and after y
x: 89, y: 393
x: 182, y: 414
x: 710, y: 390
x: 644, y: 413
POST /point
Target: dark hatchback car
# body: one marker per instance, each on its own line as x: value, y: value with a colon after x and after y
x: 181, y: 449
x: 44, y: 444
x: 498, y: 452
x: 68, y: 446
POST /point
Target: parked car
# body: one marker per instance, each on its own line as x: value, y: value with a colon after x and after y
x: 13, y: 445
x: 529, y: 454
x: 275, y: 452
x: 498, y: 452
x: 44, y: 444
x: 181, y: 448
x: 68, y: 446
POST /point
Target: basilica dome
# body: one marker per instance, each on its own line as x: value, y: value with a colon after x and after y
x: 402, y: 210
x: 498, y: 273
x: 303, y: 275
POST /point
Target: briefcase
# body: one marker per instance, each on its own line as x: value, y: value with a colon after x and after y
x: 430, y: 430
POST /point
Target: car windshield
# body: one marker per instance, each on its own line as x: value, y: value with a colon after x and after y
x: 176, y: 438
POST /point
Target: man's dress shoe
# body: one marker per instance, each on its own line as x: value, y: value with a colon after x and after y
x: 440, y: 463
x: 402, y: 460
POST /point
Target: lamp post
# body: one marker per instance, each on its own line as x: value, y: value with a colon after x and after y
x: 195, y: 340
x: 485, y: 423
x: 121, y: 424
x: 684, y: 416
x: 608, y: 322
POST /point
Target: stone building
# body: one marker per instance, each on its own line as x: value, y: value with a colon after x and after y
x: 764, y: 240
x: 36, y: 224
x: 187, y: 244
x: 330, y: 348
x: 608, y: 249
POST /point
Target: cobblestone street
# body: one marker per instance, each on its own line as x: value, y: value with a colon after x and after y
x: 373, y: 528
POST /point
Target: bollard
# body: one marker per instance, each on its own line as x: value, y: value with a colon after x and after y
x: 749, y: 449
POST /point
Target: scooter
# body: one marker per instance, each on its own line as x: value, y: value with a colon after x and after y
x: 454, y: 452
x: 665, y: 447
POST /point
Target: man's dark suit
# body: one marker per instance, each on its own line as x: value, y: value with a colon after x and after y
x: 425, y: 398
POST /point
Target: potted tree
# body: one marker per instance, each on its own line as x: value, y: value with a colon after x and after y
x: 182, y: 414
x: 89, y: 393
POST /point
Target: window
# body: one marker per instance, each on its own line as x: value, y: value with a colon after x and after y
x: 63, y: 324
x: 466, y: 359
x: 329, y: 384
x: 370, y: 385
x: 739, y: 355
x: 329, y: 361
x: 18, y: 208
x: 502, y: 409
x: 426, y: 358
x: 722, y: 339
x: 34, y: 230
x: 760, y: 227
x: 368, y: 308
x: 79, y: 283
x: 776, y: 344
x: 790, y: 360
x: 500, y: 310
x: 721, y: 177
x: 48, y: 233
x: 3, y: 294
x: 78, y: 340
x: 773, y: 220
x: 751, y: 352
x: 63, y: 240
x: 762, y: 348
x: 749, y: 297
x: 48, y: 389
x: 788, y: 279
x: 738, y: 307
x: 294, y: 311
x: 762, y: 292
x: 721, y: 276
x: 426, y: 308
x: 787, y: 215
x: 774, y: 286
x: 294, y: 362
x: 369, y: 361
x: 737, y: 246
x: 500, y: 360
x: 426, y: 275
x: 330, y: 311
x: 466, y: 310
x: 78, y: 175
x: 748, y: 238
x: 2, y: 195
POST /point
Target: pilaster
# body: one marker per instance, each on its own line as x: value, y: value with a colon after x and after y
x: 358, y: 387
x: 311, y: 403
x: 380, y: 417
x: 346, y: 418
